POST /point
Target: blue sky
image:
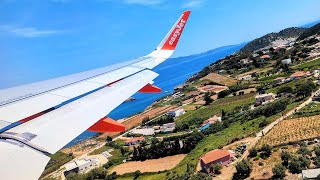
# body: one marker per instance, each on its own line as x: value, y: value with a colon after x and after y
x: 41, y: 39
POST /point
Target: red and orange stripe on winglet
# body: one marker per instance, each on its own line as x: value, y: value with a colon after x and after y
x: 107, y: 125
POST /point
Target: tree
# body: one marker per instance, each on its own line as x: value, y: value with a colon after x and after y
x: 279, y: 171
x: 285, y: 89
x: 306, y: 89
x: 215, y: 168
x: 123, y: 151
x: 304, y: 151
x: 285, y: 157
x: 316, y: 161
x: 297, y: 164
x: 223, y: 93
x: 317, y: 151
x: 97, y: 173
x: 223, y: 114
x: 253, y: 152
x: 207, y: 99
x: 265, y: 151
x: 109, y: 139
x: 136, y: 174
x: 243, y: 170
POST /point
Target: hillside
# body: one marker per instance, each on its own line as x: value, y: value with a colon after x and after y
x: 268, y: 39
x: 310, y: 32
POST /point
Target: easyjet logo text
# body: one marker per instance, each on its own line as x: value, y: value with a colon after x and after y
x: 177, y: 31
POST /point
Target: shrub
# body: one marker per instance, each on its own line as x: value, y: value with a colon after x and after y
x: 279, y: 171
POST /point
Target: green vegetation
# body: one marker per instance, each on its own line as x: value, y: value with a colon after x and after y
x: 57, y: 160
x: 244, y: 169
x: 279, y: 171
x: 311, y: 109
x: 309, y: 65
x: 228, y: 104
x: 167, y: 147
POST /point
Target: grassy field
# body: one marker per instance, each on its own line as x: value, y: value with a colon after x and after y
x: 309, y: 65
x: 291, y: 84
x: 293, y: 130
x: 105, y: 148
x: 57, y: 160
x: 311, y: 109
x: 227, y: 104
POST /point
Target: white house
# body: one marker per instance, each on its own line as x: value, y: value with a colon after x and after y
x: 310, y: 173
x: 169, y: 127
x: 245, y: 78
x: 175, y: 112
x: 245, y: 61
x: 79, y: 166
x: 286, y: 61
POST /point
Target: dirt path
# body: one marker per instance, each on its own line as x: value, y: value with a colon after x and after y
x: 153, y: 165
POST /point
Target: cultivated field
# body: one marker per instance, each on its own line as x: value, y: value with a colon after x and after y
x: 153, y: 165
x: 292, y: 130
x: 217, y: 78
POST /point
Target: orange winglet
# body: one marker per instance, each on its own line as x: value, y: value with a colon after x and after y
x: 107, y: 125
x: 149, y: 88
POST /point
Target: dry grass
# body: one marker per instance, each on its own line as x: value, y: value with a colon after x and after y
x: 217, y: 78
x: 293, y: 130
x: 153, y: 165
x: 265, y: 171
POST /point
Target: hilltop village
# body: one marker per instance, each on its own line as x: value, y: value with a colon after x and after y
x: 251, y: 115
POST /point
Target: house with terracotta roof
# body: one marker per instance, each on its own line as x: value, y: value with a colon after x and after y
x: 217, y: 156
x: 300, y: 74
x: 211, y: 120
x: 280, y: 80
x: 265, y: 57
x: 134, y: 141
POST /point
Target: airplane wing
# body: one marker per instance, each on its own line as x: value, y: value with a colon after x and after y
x: 36, y: 120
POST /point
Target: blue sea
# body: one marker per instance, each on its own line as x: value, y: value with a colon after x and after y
x: 173, y: 72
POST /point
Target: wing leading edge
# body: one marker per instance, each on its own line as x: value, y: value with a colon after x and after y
x: 37, y: 120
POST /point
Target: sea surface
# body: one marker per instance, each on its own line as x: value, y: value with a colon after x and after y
x: 173, y: 72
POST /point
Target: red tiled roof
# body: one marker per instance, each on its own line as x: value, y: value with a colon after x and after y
x: 265, y: 56
x: 300, y: 74
x: 214, y: 155
x: 135, y: 139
